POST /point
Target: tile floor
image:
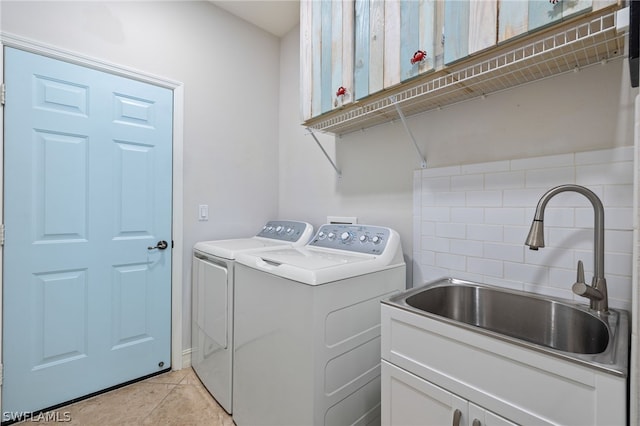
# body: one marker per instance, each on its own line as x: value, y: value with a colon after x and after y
x: 174, y: 398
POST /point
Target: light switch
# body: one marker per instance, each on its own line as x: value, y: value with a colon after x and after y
x: 203, y: 212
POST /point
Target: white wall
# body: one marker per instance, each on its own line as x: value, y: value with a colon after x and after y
x: 230, y: 72
x: 581, y: 111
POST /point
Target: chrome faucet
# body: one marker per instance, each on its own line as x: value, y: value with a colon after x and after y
x: 597, y: 291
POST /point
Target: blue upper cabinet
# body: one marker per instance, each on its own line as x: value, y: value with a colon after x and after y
x: 394, y: 41
x: 352, y: 49
x: 326, y: 59
x: 456, y: 30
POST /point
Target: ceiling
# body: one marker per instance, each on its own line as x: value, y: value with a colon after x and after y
x: 277, y: 17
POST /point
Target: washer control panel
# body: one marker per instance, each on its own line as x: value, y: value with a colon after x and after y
x: 284, y: 230
x: 359, y: 238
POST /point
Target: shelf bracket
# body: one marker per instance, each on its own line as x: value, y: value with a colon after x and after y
x: 423, y: 162
x: 315, y: 138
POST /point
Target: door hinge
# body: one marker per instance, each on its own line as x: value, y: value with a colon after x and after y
x: 3, y: 94
x: 1, y: 234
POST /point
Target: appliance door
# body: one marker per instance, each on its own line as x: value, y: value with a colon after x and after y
x: 212, y: 290
x: 212, y: 339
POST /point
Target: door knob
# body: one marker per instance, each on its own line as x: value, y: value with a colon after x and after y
x: 161, y: 245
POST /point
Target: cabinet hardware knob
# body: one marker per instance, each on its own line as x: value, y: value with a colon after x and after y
x: 457, y: 415
x: 419, y: 56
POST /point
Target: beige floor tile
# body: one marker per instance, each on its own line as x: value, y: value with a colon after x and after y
x: 188, y: 405
x: 174, y: 398
x: 171, y: 378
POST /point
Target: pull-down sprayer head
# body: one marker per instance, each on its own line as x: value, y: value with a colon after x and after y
x: 535, y: 239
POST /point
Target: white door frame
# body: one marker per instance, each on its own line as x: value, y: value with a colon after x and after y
x: 178, y: 122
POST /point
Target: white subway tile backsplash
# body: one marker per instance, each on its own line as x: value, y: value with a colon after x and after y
x: 556, y: 258
x: 521, y: 197
x: 550, y: 161
x: 618, y: 263
x: 436, y: 184
x: 515, y: 234
x: 428, y: 228
x: 614, y: 218
x: 467, y: 247
x: 451, y: 230
x: 467, y: 214
x: 612, y: 155
x: 548, y: 178
x: 526, y: 273
x: 451, y: 261
x: 504, y: 180
x: 618, y: 241
x: 555, y: 217
x: 436, y: 244
x: 618, y: 195
x: 450, y: 199
x: 504, y: 216
x: 474, y: 218
x: 436, y: 214
x: 483, y: 266
x: 507, y: 252
x: 492, y: 167
x: 467, y: 183
x: 608, y: 174
x: 484, y: 198
x: 485, y: 232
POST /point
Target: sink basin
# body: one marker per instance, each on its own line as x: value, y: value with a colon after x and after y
x: 551, y: 325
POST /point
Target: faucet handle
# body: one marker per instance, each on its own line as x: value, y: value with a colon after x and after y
x: 580, y: 277
x: 582, y: 289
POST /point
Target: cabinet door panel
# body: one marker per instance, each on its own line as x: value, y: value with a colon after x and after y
x: 306, y: 79
x: 347, y: 52
x: 456, y: 30
x: 570, y: 8
x: 543, y: 13
x: 409, y: 400
x: 417, y: 23
x: 361, y: 49
x: 316, y: 57
x: 513, y: 19
x: 376, y: 45
x: 483, y: 20
x: 391, y: 73
x: 326, y: 57
x: 427, y: 33
x: 410, y: 43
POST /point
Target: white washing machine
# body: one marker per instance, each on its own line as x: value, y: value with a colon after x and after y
x: 307, y: 328
x: 212, y: 300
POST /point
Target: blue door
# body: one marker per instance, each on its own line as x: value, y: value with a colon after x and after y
x: 87, y: 297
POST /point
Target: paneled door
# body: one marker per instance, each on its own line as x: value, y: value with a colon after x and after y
x: 87, y: 255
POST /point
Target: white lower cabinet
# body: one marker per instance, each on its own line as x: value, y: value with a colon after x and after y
x: 409, y: 400
x: 431, y: 368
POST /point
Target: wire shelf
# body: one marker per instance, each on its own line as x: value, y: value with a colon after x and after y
x: 577, y: 45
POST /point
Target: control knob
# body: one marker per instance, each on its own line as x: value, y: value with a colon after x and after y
x: 345, y: 237
x: 289, y: 230
x: 331, y: 236
x: 279, y: 228
x: 322, y: 235
x: 376, y: 240
x: 363, y: 238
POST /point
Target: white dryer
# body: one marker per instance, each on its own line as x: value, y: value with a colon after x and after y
x: 212, y: 300
x: 307, y: 328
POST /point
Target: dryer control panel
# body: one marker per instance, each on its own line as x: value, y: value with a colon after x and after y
x: 359, y: 238
x: 285, y: 230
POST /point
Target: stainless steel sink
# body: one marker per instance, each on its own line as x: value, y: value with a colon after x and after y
x: 542, y: 323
